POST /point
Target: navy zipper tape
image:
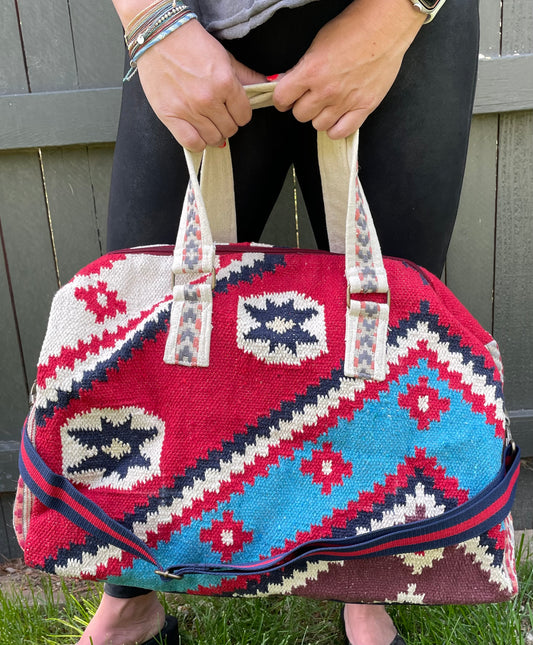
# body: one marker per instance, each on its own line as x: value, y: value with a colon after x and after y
x: 471, y: 519
x: 465, y: 522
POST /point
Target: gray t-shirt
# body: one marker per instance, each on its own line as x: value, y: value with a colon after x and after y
x: 228, y: 19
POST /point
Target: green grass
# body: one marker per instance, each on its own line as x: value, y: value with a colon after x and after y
x: 42, y: 619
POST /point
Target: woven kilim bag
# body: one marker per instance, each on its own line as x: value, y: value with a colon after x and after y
x: 269, y: 421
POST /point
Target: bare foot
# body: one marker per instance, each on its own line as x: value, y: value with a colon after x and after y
x: 125, y: 621
x: 368, y: 625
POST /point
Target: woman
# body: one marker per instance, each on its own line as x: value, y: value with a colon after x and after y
x: 340, y: 65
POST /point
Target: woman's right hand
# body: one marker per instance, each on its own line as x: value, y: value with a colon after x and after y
x: 196, y: 87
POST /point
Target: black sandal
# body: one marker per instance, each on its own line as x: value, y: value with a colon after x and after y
x: 169, y: 634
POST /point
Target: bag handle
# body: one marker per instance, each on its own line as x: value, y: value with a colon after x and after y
x: 218, y: 191
x: 188, y: 341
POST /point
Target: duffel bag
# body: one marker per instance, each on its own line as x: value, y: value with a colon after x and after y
x: 240, y: 419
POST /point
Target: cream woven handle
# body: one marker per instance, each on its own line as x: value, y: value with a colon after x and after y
x: 194, y: 255
x: 338, y: 168
x: 217, y: 175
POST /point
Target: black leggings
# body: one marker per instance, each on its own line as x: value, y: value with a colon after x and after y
x: 412, y: 147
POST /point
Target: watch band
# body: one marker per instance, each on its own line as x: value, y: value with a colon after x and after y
x: 428, y: 7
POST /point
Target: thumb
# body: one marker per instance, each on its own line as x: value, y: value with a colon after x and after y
x: 245, y: 75
x: 291, y: 87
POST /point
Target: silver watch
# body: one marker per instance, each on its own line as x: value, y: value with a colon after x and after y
x: 429, y: 7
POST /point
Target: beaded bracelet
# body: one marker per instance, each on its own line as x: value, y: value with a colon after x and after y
x: 151, y: 25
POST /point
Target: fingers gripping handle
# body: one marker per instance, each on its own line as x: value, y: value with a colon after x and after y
x: 350, y: 228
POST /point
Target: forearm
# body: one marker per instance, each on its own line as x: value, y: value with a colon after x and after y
x: 387, y: 17
x: 193, y: 85
x: 384, y: 20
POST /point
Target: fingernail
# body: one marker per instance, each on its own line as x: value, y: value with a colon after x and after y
x: 222, y: 145
x: 272, y: 78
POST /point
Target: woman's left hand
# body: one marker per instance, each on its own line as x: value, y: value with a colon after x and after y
x: 350, y: 65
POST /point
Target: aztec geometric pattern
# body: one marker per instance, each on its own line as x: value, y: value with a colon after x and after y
x: 368, y: 279
x: 271, y: 452
x: 190, y: 323
x: 285, y: 328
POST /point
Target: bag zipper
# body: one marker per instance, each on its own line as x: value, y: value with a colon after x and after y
x: 168, y: 249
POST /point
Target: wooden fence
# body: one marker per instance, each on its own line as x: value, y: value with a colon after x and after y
x: 60, y: 77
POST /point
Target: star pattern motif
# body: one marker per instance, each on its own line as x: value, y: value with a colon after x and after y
x: 327, y: 467
x: 101, y: 301
x: 280, y: 324
x: 118, y: 448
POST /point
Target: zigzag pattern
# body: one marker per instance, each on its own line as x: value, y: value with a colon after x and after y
x: 98, y: 372
x: 89, y: 361
x: 245, y: 458
x: 186, y: 497
x: 314, y: 442
x: 247, y: 268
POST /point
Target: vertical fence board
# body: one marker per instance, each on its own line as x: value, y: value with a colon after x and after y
x: 13, y: 75
x: 517, y: 27
x: 9, y: 453
x: 8, y: 544
x: 490, y: 18
x: 13, y: 389
x: 470, y: 261
x: 48, y: 45
x: 100, y: 164
x: 513, y: 326
x: 100, y: 66
x: 28, y: 249
x: 514, y: 247
x: 71, y: 201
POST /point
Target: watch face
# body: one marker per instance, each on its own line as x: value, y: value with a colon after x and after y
x: 429, y: 7
x: 430, y: 4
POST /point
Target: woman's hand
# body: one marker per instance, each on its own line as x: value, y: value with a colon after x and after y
x: 192, y: 83
x: 196, y: 87
x: 350, y: 65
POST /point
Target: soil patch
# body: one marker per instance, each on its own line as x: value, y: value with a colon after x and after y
x: 17, y: 579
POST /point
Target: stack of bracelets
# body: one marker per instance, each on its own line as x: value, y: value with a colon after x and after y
x: 151, y: 25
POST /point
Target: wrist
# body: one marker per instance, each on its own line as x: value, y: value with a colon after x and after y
x: 392, y: 20
x: 429, y: 8
x: 152, y: 25
x: 128, y: 9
